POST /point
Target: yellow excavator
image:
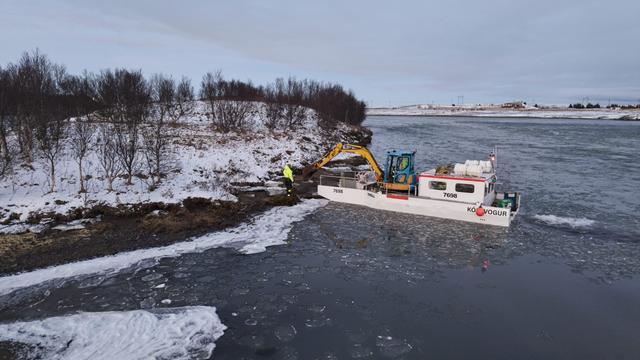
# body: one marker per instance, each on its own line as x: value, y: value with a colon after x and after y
x: 399, y: 173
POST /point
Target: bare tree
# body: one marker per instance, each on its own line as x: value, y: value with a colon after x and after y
x: 80, y: 137
x: 229, y: 109
x: 232, y: 114
x: 51, y: 113
x: 126, y: 101
x: 82, y: 130
x: 183, y: 99
x: 50, y: 139
x: 291, y: 95
x: 35, y: 74
x: 7, y: 111
x: 273, y: 108
x: 107, y: 95
x: 107, y: 157
x: 154, y: 137
x: 210, y: 91
x: 126, y: 148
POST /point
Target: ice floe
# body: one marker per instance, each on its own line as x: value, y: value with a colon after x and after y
x: 267, y: 229
x: 177, y: 333
x: 560, y: 220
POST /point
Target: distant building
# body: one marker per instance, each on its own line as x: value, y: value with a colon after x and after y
x: 513, y: 105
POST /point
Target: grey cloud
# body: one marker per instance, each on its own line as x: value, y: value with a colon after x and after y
x: 404, y: 52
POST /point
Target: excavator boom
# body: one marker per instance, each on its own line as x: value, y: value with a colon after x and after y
x: 344, y: 148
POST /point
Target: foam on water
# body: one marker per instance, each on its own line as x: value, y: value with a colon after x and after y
x: 559, y: 220
x: 268, y: 229
x: 178, y: 333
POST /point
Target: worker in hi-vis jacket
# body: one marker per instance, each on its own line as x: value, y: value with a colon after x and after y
x: 288, y: 179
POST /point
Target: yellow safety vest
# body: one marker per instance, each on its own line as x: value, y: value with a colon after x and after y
x: 288, y: 173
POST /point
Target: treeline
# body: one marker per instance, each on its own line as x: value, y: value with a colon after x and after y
x: 285, y: 99
x: 597, y: 106
x: 123, y: 116
x: 583, y: 106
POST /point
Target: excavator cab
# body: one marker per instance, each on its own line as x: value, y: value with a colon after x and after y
x: 399, y: 171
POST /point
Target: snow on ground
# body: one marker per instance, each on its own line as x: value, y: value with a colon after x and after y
x: 267, y: 229
x: 173, y: 333
x: 203, y: 163
x: 496, y: 111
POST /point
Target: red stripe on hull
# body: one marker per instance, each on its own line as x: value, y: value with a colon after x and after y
x: 399, y: 197
x: 449, y: 178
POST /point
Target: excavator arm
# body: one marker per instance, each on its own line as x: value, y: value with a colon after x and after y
x: 344, y: 148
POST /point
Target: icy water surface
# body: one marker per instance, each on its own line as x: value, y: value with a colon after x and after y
x: 355, y: 283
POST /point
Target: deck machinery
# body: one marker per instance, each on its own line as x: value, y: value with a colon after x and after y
x: 399, y: 169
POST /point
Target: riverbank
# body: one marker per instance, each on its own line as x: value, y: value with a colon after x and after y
x: 214, y: 181
x: 499, y: 112
x: 144, y: 225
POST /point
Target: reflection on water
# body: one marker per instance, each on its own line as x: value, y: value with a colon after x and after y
x: 403, y: 238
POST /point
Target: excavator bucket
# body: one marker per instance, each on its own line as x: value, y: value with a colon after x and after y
x: 308, y: 171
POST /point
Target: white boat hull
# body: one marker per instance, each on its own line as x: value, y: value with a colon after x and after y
x: 418, y: 205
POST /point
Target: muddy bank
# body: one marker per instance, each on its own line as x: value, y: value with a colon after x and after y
x: 140, y: 227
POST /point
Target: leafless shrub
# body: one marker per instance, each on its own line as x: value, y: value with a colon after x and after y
x: 291, y: 96
x: 7, y: 112
x: 80, y: 137
x: 273, y: 108
x: 51, y: 114
x: 230, y: 111
x: 50, y: 139
x: 183, y: 99
x: 107, y: 157
x: 155, y: 138
x: 126, y: 101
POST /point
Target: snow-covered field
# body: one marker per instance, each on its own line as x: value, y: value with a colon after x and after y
x: 202, y: 163
x: 496, y: 111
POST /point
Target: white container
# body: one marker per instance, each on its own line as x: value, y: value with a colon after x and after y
x: 460, y: 169
x: 474, y: 170
x: 486, y: 166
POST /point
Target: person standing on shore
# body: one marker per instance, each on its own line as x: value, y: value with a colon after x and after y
x: 288, y: 179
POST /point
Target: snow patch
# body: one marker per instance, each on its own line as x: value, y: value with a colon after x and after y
x: 267, y: 229
x: 75, y: 224
x: 559, y: 220
x: 177, y: 333
x: 20, y: 228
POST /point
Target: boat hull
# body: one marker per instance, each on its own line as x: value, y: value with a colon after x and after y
x: 418, y: 205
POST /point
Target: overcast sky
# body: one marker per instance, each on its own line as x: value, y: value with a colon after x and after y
x: 388, y: 52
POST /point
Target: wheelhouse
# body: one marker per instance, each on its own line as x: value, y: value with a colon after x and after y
x: 465, y: 189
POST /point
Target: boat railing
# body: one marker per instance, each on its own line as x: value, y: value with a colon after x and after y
x: 339, y: 181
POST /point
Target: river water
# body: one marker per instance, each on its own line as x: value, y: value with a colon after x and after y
x: 356, y: 283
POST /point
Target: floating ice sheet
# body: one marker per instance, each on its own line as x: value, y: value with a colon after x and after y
x: 560, y: 220
x: 268, y: 229
x: 178, y: 333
